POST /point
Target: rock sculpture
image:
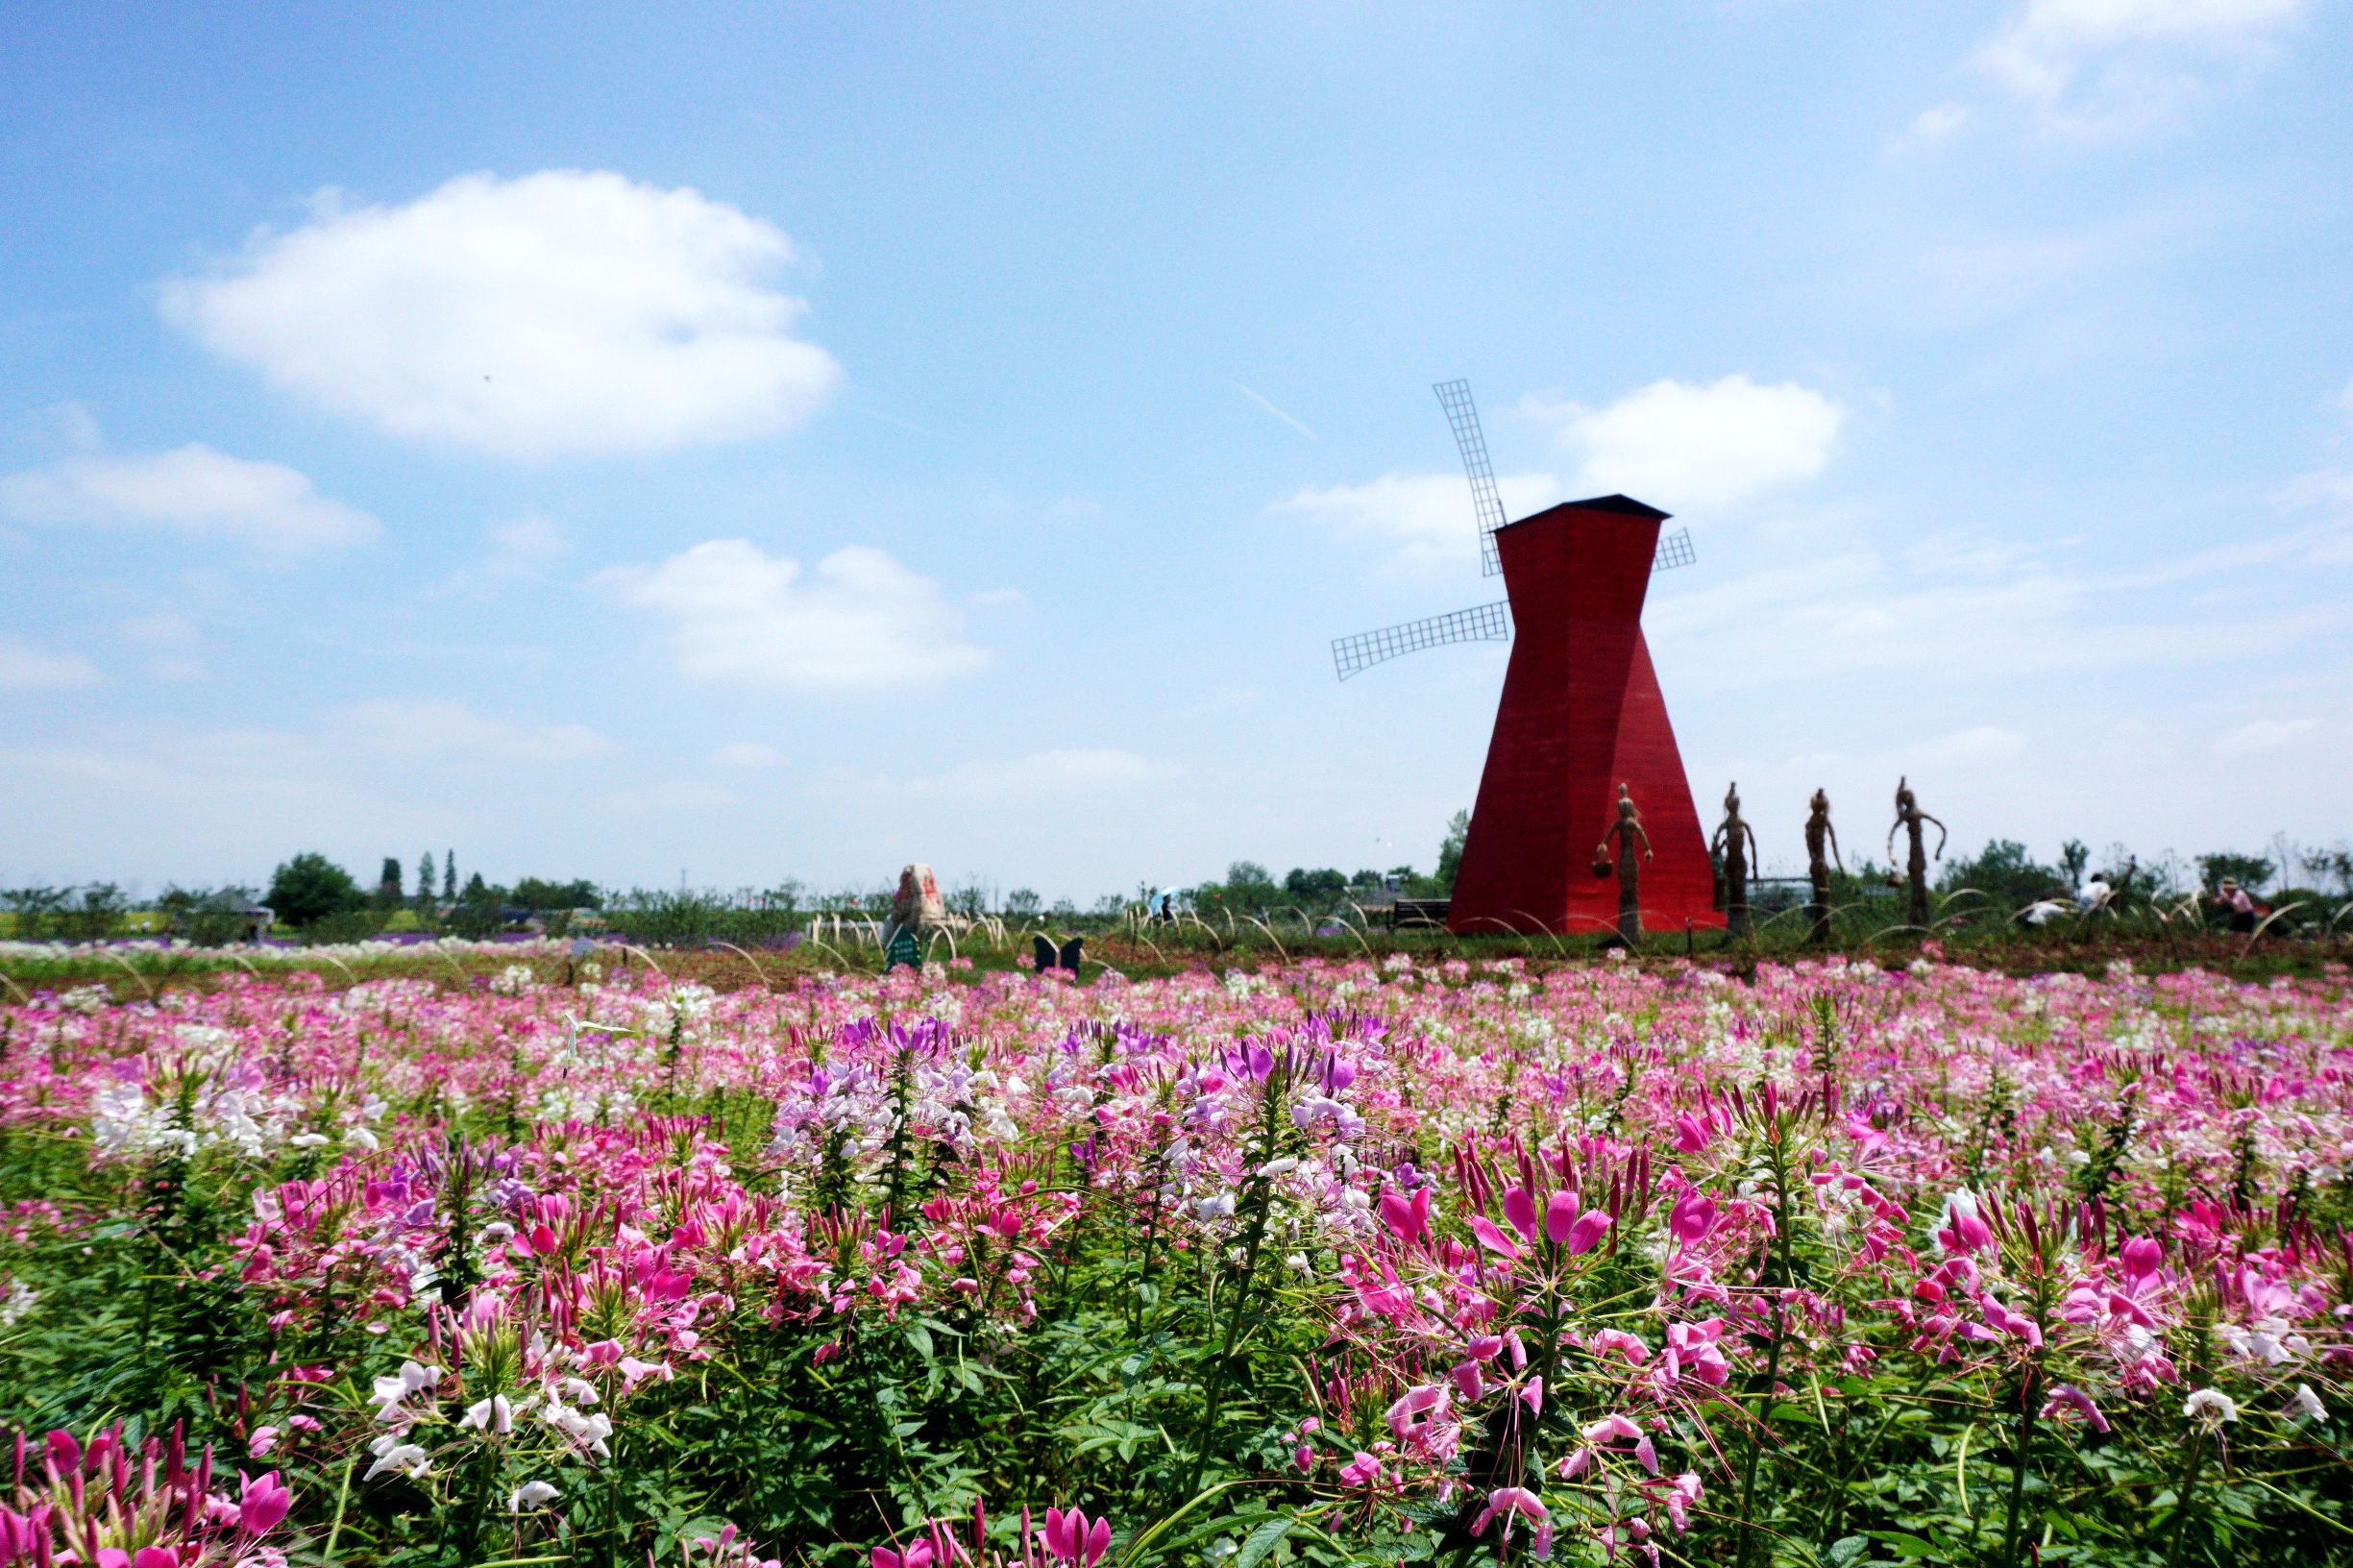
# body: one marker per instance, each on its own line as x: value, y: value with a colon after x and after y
x: 916, y: 910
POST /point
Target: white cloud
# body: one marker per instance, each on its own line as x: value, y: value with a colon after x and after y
x: 24, y: 668
x: 563, y: 312
x: 1931, y: 128
x: 424, y: 730
x: 2265, y: 735
x: 521, y: 550
x: 747, y: 754
x: 1677, y: 444
x: 1069, y: 771
x: 1858, y: 618
x: 1428, y: 517
x: 193, y: 490
x: 859, y: 621
x: 2108, y: 68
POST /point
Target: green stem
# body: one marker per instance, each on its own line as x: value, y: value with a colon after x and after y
x: 2189, y: 1490
x: 2029, y: 1393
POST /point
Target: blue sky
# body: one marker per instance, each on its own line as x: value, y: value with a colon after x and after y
x: 794, y: 442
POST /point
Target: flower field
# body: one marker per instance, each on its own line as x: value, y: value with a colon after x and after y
x: 1385, y: 1261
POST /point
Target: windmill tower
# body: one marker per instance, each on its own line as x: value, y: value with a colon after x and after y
x: 1581, y: 710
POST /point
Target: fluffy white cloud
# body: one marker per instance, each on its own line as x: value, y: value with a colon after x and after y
x: 1068, y: 771
x: 1427, y: 517
x: 563, y: 312
x: 1678, y: 444
x: 422, y: 729
x: 193, y: 490
x: 858, y: 621
x: 2115, y: 68
x: 24, y: 668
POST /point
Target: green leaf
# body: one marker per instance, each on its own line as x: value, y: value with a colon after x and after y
x: 1846, y: 1551
x: 1262, y: 1541
x: 1902, y: 1544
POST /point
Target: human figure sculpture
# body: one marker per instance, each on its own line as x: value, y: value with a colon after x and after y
x: 1819, y: 835
x: 1908, y: 820
x: 1736, y: 841
x: 1626, y: 830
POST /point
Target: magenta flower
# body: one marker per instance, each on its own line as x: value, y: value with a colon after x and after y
x: 1070, y: 1538
x: 1521, y: 1211
x: 261, y: 1503
x: 1559, y: 1218
x: 1692, y: 1217
x: 1586, y: 1231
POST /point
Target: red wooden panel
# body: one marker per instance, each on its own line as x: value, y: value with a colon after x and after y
x: 1581, y: 710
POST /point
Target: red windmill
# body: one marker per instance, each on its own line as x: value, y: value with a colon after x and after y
x: 1581, y: 711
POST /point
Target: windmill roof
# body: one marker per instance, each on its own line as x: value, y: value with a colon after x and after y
x: 1623, y: 506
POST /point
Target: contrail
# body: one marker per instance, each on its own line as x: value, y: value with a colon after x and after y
x: 1263, y: 401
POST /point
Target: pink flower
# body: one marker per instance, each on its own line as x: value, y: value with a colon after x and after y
x: 1070, y: 1538
x: 1559, y: 1216
x: 1494, y: 1239
x: 1618, y: 1341
x: 1508, y: 1500
x: 1364, y: 1470
x: 2141, y: 1258
x: 2067, y: 1396
x: 263, y: 1440
x: 1407, y: 1219
x: 1691, y: 1133
x: 1692, y: 1217
x: 1585, y: 1232
x: 261, y: 1501
x: 1521, y: 1211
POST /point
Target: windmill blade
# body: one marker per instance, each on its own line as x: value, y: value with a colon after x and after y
x: 1673, y: 550
x: 1482, y: 624
x: 1454, y: 397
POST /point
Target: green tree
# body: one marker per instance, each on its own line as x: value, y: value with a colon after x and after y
x: 1313, y: 891
x: 2006, y: 877
x: 310, y: 888
x: 96, y: 914
x: 537, y: 892
x: 388, y: 890
x: 425, y: 879
x: 1450, y: 850
x: 1022, y: 903
x: 2074, y: 859
x: 449, y: 877
x: 2249, y: 872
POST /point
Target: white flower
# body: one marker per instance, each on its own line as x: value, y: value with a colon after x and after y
x: 393, y: 1454
x: 531, y: 1494
x: 390, y: 1391
x: 2307, y: 1405
x: 2212, y: 1405
x: 493, y: 1415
